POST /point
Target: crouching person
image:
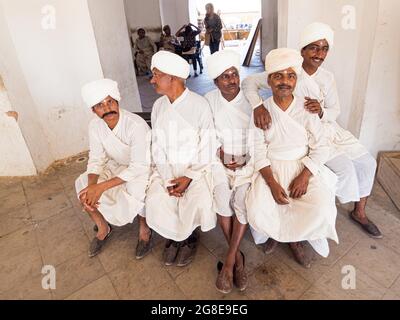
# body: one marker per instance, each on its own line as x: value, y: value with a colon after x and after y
x: 112, y: 190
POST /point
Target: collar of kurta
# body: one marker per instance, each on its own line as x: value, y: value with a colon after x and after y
x: 289, y: 108
x: 234, y: 101
x: 310, y: 76
x: 179, y: 99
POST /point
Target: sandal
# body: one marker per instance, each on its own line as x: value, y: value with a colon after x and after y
x: 370, y: 228
x: 96, y: 245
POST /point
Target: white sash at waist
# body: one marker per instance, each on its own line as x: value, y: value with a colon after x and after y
x: 287, y: 154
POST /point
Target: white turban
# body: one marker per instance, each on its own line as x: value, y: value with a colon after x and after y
x: 316, y: 31
x: 221, y: 61
x: 171, y: 64
x: 96, y: 91
x: 282, y: 59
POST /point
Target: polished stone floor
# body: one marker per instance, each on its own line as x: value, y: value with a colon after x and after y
x: 42, y: 224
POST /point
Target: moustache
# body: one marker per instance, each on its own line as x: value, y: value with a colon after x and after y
x: 282, y: 87
x: 108, y: 113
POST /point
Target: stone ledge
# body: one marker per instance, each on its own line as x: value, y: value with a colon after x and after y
x: 389, y: 174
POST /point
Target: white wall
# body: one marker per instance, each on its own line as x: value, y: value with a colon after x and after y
x: 15, y: 158
x: 175, y: 13
x: 380, y: 128
x: 114, y: 48
x: 144, y: 14
x: 21, y: 99
x: 51, y: 65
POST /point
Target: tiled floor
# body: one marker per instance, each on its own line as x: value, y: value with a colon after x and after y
x: 42, y: 224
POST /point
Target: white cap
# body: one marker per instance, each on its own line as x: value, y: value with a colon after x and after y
x: 170, y: 63
x: 316, y: 31
x: 96, y: 91
x: 221, y: 61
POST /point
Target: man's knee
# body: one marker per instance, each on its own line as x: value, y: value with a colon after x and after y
x: 342, y: 166
x: 367, y: 163
x: 222, y: 196
x: 239, y: 199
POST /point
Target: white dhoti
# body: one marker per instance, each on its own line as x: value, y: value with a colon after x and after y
x: 349, y: 159
x: 119, y: 205
x: 355, y: 177
x: 311, y: 217
x: 176, y: 218
x: 231, y: 192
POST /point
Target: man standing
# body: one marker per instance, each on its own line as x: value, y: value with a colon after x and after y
x: 292, y: 197
x: 232, y: 113
x: 179, y: 198
x: 213, y: 25
x: 112, y: 190
x: 349, y: 160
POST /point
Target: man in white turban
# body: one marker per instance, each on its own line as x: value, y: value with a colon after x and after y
x: 112, y: 190
x: 292, y: 197
x: 179, y: 199
x: 232, y: 174
x: 349, y: 159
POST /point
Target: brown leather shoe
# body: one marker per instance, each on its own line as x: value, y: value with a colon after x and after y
x: 170, y: 252
x: 143, y: 248
x: 370, y: 228
x: 186, y: 254
x: 187, y: 250
x: 96, y: 245
x: 224, y: 283
x: 240, y: 278
x: 301, y: 253
x: 270, y: 246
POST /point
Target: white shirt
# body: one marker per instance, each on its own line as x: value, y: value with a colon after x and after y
x: 231, y: 119
x: 128, y: 144
x: 186, y: 127
x: 295, y: 134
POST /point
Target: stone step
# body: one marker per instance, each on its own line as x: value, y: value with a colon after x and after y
x: 389, y: 174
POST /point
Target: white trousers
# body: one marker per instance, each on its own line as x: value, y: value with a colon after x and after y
x: 231, y: 202
x: 355, y: 177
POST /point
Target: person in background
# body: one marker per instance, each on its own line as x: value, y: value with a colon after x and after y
x: 189, y: 44
x: 213, y: 25
x: 144, y: 49
x: 168, y: 42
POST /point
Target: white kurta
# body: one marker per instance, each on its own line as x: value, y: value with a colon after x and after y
x: 347, y: 155
x: 183, y: 144
x: 296, y: 139
x: 231, y: 120
x: 123, y: 152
